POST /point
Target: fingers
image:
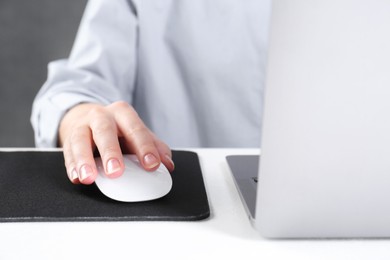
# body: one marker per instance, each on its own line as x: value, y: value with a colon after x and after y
x: 137, y: 136
x: 78, y: 155
x: 165, y: 153
x: 90, y: 126
x: 70, y: 164
x: 105, y: 136
x: 138, y: 139
x: 163, y: 150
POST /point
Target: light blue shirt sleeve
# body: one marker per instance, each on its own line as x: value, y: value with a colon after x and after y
x: 101, y: 68
x: 193, y: 70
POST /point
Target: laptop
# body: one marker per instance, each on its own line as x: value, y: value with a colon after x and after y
x: 324, y: 169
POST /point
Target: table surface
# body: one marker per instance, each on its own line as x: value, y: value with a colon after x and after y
x: 227, y: 234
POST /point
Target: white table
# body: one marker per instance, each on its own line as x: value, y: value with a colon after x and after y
x: 227, y: 234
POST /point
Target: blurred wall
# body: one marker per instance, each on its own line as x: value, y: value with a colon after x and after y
x: 32, y: 33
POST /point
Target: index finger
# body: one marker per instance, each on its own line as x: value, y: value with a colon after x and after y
x: 137, y: 136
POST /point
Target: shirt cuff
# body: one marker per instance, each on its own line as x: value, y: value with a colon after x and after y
x: 46, y: 123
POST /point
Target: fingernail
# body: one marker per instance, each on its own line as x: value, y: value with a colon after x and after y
x: 113, y: 166
x: 73, y: 175
x: 170, y: 161
x: 85, y: 172
x: 150, y: 161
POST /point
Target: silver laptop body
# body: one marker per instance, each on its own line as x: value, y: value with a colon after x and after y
x: 325, y: 155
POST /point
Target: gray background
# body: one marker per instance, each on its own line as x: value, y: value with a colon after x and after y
x: 32, y: 33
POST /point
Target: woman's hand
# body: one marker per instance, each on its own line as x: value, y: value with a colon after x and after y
x: 111, y: 130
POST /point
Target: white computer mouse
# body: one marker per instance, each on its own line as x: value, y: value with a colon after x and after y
x: 136, y: 184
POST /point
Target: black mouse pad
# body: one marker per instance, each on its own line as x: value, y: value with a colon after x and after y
x: 34, y: 187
